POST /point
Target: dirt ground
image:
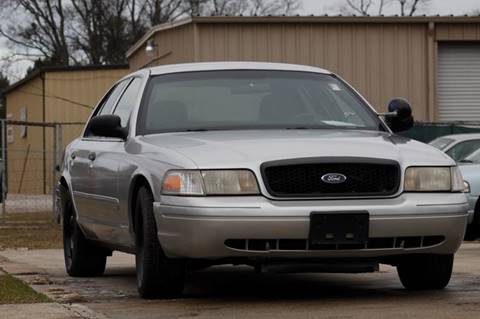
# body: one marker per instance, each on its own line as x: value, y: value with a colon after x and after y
x: 238, y: 292
x: 29, y: 230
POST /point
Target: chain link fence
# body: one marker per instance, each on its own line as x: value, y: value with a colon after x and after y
x: 426, y: 132
x: 31, y: 152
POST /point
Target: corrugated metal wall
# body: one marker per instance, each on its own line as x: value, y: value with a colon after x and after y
x: 85, y: 87
x: 18, y: 161
x: 458, y: 82
x: 381, y: 60
x: 173, y: 46
x: 457, y: 32
x: 25, y: 154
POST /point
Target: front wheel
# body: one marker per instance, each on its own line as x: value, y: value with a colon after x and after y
x: 425, y: 272
x: 157, y: 275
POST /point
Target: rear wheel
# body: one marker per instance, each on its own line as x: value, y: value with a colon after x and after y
x: 425, y: 272
x: 82, y: 258
x: 157, y: 275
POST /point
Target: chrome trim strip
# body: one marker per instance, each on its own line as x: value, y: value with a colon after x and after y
x: 101, y: 198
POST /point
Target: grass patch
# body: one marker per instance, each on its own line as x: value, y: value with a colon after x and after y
x: 29, y: 230
x: 14, y: 291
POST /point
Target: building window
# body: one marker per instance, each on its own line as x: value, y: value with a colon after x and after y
x: 23, y: 118
x: 10, y: 137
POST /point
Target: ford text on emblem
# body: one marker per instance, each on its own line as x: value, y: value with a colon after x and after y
x: 334, y: 178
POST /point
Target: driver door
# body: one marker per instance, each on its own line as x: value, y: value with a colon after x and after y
x: 93, y: 196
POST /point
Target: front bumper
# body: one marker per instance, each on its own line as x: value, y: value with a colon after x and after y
x: 190, y: 227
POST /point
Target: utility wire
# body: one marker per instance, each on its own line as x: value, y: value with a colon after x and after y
x: 49, y: 94
x: 58, y: 98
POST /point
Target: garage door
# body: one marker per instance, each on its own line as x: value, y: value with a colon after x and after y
x: 458, y: 86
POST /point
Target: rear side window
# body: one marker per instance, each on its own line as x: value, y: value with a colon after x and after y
x: 441, y: 143
x: 127, y: 101
x: 109, y: 102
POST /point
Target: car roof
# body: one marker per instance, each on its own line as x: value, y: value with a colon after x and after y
x: 462, y: 137
x: 218, y: 66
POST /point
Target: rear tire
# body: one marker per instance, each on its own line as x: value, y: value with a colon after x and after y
x: 425, y: 272
x: 82, y: 258
x: 157, y: 275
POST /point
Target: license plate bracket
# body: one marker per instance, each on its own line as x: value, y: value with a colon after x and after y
x: 339, y: 228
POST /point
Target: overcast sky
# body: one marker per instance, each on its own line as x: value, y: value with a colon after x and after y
x: 316, y: 7
x: 443, y: 7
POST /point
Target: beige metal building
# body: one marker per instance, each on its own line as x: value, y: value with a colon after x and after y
x: 52, y: 95
x: 432, y: 61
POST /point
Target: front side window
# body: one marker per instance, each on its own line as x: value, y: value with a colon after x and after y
x: 473, y: 157
x: 251, y: 100
x: 127, y: 101
x: 463, y: 149
x: 109, y: 102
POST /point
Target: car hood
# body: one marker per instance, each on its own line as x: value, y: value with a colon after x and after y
x: 250, y: 148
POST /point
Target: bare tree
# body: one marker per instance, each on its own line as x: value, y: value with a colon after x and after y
x: 242, y: 7
x: 273, y: 7
x: 410, y: 7
x: 62, y: 32
x: 160, y: 11
x: 377, y: 7
x: 363, y: 7
x: 45, y: 31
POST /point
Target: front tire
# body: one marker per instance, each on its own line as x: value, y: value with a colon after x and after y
x: 425, y: 272
x: 82, y: 258
x: 157, y: 275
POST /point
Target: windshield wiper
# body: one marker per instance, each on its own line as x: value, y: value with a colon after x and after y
x: 465, y: 161
x: 299, y: 128
x: 196, y: 130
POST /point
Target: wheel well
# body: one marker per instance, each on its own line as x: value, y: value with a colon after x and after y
x: 137, y: 183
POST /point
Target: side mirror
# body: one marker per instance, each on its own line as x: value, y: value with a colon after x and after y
x: 399, y: 118
x: 107, y: 126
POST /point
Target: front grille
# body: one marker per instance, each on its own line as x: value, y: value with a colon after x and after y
x: 303, y: 244
x: 365, y: 177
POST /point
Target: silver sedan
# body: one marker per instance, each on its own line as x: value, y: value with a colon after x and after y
x: 281, y: 167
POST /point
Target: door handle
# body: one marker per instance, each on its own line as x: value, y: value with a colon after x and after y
x: 73, y: 155
x: 92, y: 156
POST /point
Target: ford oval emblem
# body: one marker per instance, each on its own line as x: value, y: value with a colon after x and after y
x: 334, y: 178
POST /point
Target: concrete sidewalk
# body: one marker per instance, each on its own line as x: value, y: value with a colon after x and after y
x: 65, y: 307
x: 43, y: 311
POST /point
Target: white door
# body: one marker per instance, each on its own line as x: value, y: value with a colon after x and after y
x: 458, y: 82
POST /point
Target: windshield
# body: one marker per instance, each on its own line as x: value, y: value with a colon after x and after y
x: 441, y: 143
x: 473, y: 158
x: 251, y: 99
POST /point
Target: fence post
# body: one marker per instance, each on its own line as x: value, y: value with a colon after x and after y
x: 4, y: 165
x: 55, y: 161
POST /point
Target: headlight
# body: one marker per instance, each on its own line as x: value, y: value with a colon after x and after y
x: 433, y: 179
x: 210, y: 182
x: 183, y: 183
